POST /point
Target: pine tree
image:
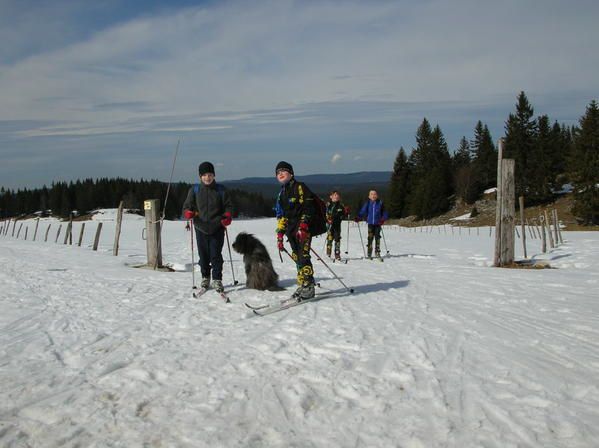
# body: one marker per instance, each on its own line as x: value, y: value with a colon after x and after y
x: 539, y: 161
x: 399, y: 186
x: 431, y: 163
x: 520, y: 130
x: 484, y: 158
x: 584, y: 167
x: 463, y: 176
x: 560, y: 147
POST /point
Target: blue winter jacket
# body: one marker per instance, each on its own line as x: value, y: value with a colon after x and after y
x: 373, y: 211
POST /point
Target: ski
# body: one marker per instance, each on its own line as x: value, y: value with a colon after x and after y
x: 201, y: 291
x: 224, y: 296
x: 197, y: 292
x: 265, y: 309
x: 256, y: 307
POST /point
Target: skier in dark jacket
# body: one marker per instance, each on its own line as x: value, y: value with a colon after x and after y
x: 210, y: 207
x: 374, y: 213
x: 294, y: 210
x: 335, y: 213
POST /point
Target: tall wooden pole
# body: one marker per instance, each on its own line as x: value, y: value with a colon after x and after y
x: 151, y: 209
x: 508, y: 212
x: 497, y: 254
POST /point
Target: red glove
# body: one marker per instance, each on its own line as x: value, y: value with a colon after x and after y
x: 226, y: 221
x: 302, y: 232
x: 189, y: 214
x: 381, y: 221
x: 357, y: 219
x: 329, y: 220
x: 346, y: 210
x: 280, y: 241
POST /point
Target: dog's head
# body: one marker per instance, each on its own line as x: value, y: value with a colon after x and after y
x: 244, y: 243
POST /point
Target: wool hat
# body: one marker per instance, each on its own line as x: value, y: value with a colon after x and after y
x: 284, y: 166
x: 205, y: 167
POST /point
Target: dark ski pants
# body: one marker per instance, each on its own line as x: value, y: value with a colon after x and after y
x: 300, y: 252
x: 374, y: 233
x: 210, y: 248
x: 334, y: 234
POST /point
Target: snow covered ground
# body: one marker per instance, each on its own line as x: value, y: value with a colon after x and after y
x: 435, y: 348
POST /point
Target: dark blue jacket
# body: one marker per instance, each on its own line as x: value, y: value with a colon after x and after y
x: 373, y: 211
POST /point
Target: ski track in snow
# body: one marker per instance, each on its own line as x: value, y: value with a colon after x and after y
x: 433, y: 349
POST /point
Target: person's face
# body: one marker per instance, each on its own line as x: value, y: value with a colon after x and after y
x: 283, y: 176
x: 373, y: 195
x: 207, y: 178
x: 335, y: 197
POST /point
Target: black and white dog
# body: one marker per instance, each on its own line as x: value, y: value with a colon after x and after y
x: 259, y: 271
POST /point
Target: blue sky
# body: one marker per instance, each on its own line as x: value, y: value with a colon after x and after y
x: 105, y: 89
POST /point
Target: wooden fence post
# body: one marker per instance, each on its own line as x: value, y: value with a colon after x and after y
x: 548, y: 224
x: 58, y: 233
x: 37, y: 223
x: 543, y: 237
x: 521, y: 199
x: 68, y: 232
x: 559, y: 230
x: 81, y: 234
x: 47, y: 231
x: 531, y: 228
x: 71, y: 231
x: 539, y: 226
x: 26, y: 230
x: 97, y: 238
x: 555, y: 226
x: 153, y: 246
x: 13, y: 228
x: 117, y: 233
x: 19, y: 232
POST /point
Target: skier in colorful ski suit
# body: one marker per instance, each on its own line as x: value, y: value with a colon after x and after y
x: 374, y: 213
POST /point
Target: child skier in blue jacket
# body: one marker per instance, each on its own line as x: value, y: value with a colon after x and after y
x: 374, y: 213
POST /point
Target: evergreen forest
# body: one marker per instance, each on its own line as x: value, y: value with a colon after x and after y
x: 424, y: 183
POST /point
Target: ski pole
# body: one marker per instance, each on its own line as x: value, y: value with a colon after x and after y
x: 230, y: 257
x: 351, y: 290
x: 347, y: 244
x: 193, y: 266
x: 361, y: 239
x: 384, y: 240
x: 287, y: 252
x: 168, y: 189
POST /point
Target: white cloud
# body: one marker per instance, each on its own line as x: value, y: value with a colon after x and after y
x: 336, y: 158
x: 223, y: 57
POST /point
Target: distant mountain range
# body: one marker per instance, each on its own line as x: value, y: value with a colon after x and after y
x: 319, y: 183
